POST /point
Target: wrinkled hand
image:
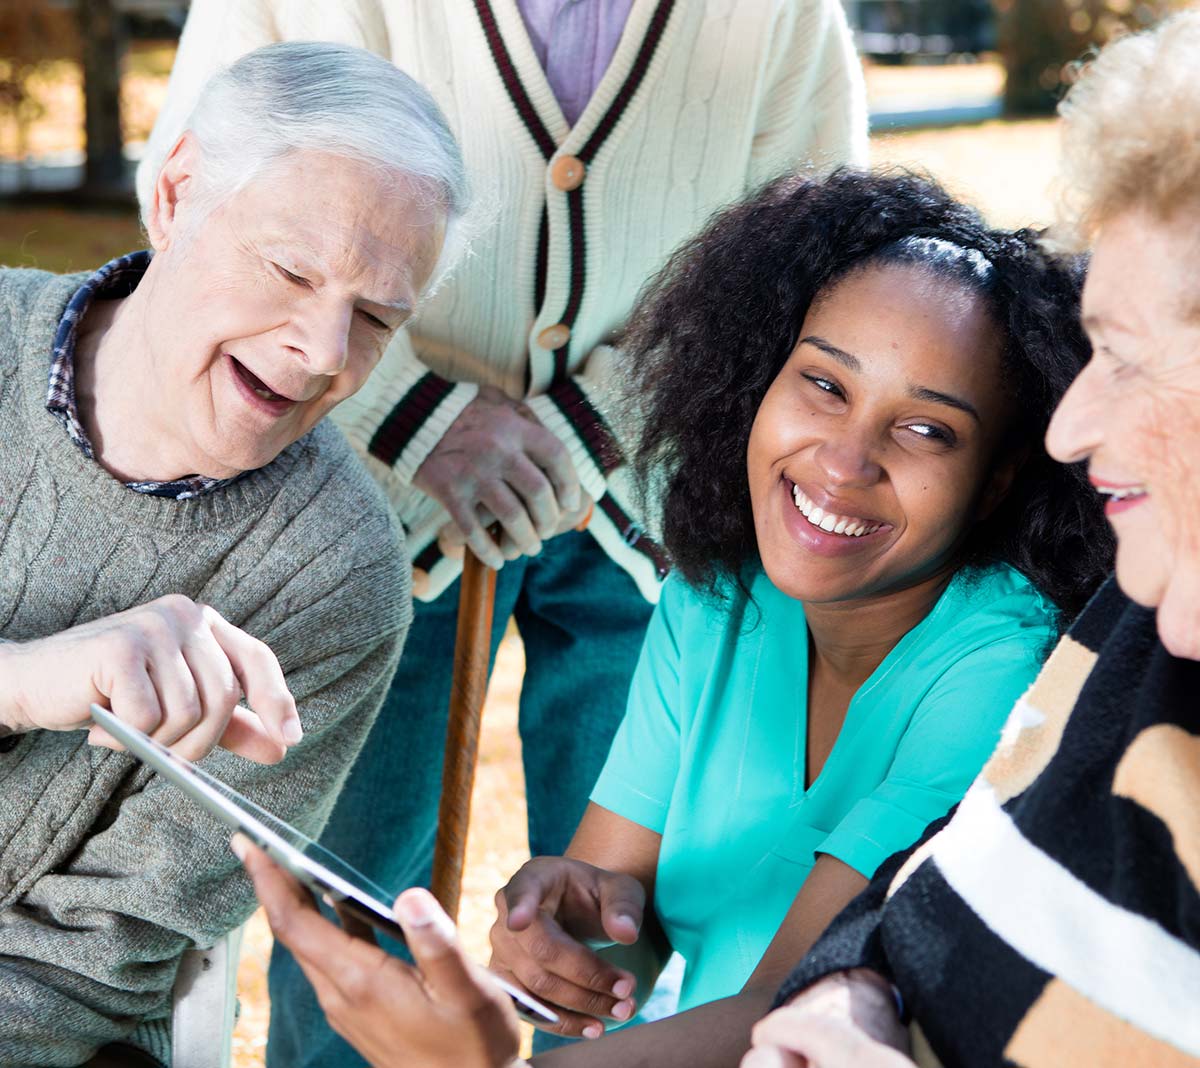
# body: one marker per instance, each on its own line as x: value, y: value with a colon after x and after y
x: 847, y: 1020
x: 793, y: 1038
x: 444, y: 1012
x: 452, y: 541
x: 172, y: 668
x: 544, y: 915
x: 498, y: 458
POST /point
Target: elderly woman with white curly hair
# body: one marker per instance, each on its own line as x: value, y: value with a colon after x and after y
x: 1055, y: 918
x: 180, y: 528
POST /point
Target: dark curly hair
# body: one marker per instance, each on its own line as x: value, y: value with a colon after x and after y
x: 713, y: 329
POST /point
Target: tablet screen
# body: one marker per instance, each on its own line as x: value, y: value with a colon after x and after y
x: 322, y: 871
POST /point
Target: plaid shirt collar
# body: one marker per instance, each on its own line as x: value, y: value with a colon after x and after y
x: 117, y: 278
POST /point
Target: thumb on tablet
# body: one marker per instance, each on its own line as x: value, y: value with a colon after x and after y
x: 434, y: 944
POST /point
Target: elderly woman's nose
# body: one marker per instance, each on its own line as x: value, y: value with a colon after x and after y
x: 1076, y: 428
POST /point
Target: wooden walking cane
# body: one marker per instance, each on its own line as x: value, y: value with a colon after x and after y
x: 468, y: 687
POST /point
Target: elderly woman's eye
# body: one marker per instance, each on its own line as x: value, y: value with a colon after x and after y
x: 289, y: 275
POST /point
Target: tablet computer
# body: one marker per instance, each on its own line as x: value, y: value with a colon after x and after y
x: 321, y: 871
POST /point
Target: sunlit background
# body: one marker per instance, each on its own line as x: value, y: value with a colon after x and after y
x: 962, y: 89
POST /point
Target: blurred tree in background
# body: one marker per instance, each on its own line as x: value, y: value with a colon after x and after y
x: 40, y: 42
x: 35, y: 37
x: 104, y: 171
x: 1042, y: 40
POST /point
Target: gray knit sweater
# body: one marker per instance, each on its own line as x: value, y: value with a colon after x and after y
x: 107, y: 873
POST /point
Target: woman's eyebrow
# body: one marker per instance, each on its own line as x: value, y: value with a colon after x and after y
x: 852, y: 362
x: 844, y: 358
x: 921, y: 393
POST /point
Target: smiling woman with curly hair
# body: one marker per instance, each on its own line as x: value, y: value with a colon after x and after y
x: 842, y: 386
x: 716, y: 327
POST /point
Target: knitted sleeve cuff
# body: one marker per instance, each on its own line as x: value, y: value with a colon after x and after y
x: 406, y: 434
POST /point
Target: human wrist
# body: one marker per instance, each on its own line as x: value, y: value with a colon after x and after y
x: 13, y: 716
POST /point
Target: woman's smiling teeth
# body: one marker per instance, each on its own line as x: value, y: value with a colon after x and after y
x: 848, y: 526
x: 1120, y: 493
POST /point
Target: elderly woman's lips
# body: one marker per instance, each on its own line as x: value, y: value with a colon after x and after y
x: 1116, y: 505
x: 1120, y: 497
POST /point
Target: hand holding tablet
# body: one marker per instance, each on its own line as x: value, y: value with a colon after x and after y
x: 315, y: 867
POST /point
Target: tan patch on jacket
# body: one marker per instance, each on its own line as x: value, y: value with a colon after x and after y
x: 921, y: 1051
x: 1064, y: 1028
x: 1017, y: 762
x: 1161, y: 772
x: 919, y: 856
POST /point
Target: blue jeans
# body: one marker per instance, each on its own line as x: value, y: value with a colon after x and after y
x: 582, y: 621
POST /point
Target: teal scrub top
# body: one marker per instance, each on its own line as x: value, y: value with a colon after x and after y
x: 711, y: 752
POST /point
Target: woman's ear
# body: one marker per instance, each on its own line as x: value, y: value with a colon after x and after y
x: 173, y: 190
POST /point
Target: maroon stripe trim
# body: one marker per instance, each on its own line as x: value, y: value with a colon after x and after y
x: 512, y: 82
x: 658, y: 23
x: 427, y: 557
x: 578, y: 270
x: 633, y: 535
x: 654, y: 32
x: 543, y: 257
x: 589, y: 424
x: 406, y: 418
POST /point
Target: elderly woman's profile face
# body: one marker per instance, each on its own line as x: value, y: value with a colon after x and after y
x: 277, y: 305
x: 1134, y: 412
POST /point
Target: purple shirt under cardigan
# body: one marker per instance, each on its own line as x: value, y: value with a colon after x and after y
x: 574, y: 41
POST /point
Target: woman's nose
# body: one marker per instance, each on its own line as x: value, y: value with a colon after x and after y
x: 848, y: 460
x: 1076, y: 428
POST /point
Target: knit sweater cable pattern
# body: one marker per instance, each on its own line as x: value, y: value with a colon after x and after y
x: 107, y: 873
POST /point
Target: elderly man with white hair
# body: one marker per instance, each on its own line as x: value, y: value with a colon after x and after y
x: 179, y: 528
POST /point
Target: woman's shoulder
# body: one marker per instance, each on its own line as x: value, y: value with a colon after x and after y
x: 996, y: 601
x: 990, y: 620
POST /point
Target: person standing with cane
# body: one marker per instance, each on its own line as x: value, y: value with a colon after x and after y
x: 606, y: 131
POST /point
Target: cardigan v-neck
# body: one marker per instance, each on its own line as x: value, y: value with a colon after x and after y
x: 574, y: 41
x: 517, y: 64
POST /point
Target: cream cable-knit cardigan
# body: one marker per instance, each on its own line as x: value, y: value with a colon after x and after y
x: 703, y: 101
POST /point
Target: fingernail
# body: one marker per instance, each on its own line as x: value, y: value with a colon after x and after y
x: 622, y: 1010
x: 292, y: 731
x: 238, y: 844
x: 622, y: 988
x: 419, y: 908
x: 593, y: 1031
